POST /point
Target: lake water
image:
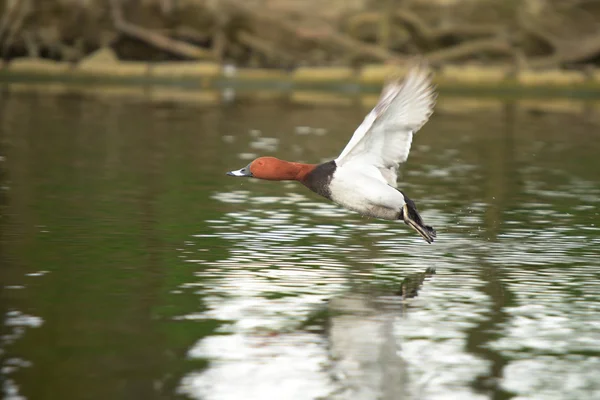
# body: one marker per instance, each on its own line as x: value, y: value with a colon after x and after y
x: 133, y: 268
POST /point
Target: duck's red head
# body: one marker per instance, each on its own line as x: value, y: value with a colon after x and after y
x: 274, y: 169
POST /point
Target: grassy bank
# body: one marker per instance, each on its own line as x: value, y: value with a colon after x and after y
x: 103, y: 68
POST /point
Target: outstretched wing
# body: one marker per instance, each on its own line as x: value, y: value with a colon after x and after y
x: 383, y: 139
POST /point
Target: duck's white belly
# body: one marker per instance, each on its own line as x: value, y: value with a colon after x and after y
x: 365, y: 194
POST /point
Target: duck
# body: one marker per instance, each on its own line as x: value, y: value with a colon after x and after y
x: 363, y: 178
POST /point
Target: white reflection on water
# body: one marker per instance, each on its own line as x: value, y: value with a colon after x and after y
x: 286, y: 366
x: 552, y: 267
x: 553, y: 335
x: 513, y: 303
x: 289, y: 258
x: 570, y: 377
x: 18, y: 323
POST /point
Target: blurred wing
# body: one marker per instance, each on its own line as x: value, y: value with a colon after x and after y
x: 383, y: 139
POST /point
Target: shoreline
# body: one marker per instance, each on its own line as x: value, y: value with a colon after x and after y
x: 464, y: 80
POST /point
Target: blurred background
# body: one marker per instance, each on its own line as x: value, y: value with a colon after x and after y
x: 288, y: 33
x: 132, y: 267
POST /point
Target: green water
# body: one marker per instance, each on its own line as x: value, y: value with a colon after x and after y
x: 133, y: 268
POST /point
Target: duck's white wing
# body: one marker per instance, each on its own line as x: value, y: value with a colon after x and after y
x: 383, y: 139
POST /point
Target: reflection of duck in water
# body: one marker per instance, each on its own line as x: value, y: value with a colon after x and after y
x: 363, y: 178
x: 365, y: 350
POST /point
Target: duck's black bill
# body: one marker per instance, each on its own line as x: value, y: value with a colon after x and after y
x: 244, y: 172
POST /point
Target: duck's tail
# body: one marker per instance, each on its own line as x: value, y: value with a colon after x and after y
x: 411, y: 217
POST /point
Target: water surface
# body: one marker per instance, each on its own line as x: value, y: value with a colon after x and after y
x: 133, y: 268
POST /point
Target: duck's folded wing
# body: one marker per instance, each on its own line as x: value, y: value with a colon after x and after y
x: 383, y: 139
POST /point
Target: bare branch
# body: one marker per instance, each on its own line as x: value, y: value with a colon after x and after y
x: 265, y: 47
x: 578, y: 51
x: 471, y: 48
x: 155, y: 39
x: 534, y: 29
x: 326, y: 35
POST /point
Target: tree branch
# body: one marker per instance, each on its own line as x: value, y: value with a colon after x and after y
x: 327, y: 35
x: 470, y: 48
x: 578, y: 50
x: 264, y: 47
x: 162, y: 42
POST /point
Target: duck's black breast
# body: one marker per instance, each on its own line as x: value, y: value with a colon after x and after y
x: 318, y: 179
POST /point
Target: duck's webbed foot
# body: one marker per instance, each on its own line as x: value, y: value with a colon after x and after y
x: 411, y: 217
